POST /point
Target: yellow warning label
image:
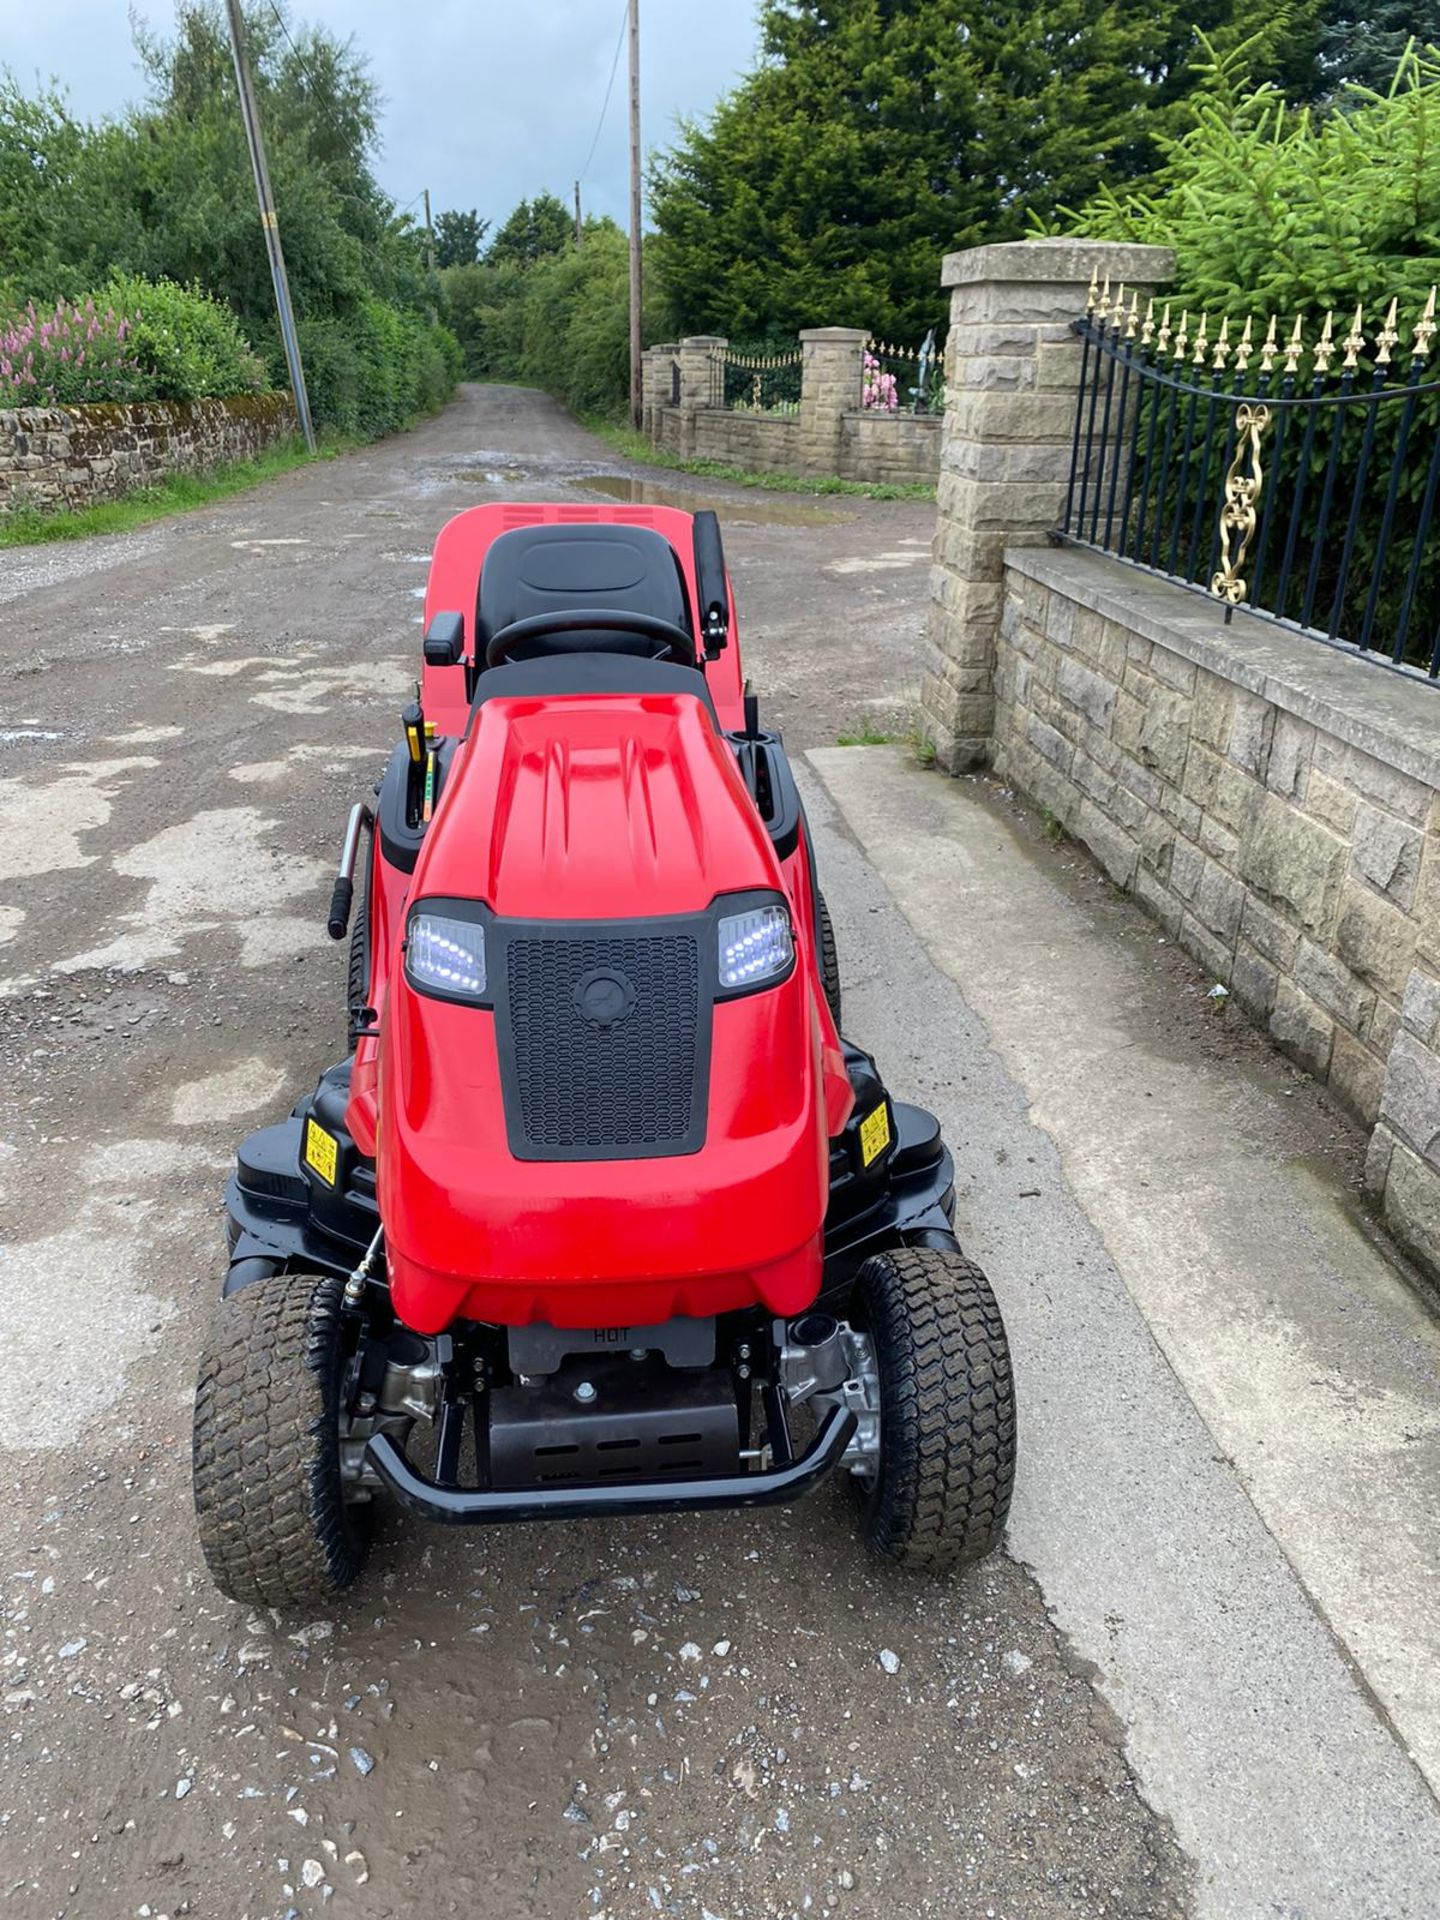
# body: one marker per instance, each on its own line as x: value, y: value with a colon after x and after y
x: 321, y: 1151
x: 874, y: 1134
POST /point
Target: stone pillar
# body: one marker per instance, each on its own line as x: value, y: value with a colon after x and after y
x: 655, y: 365
x: 1012, y: 370
x: 831, y: 381
x: 697, y: 382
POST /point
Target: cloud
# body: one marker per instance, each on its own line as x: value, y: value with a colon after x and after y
x: 485, y: 103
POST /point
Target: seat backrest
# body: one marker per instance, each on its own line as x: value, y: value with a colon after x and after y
x: 566, y: 569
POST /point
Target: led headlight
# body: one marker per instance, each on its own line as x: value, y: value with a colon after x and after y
x: 755, y: 948
x: 445, y: 955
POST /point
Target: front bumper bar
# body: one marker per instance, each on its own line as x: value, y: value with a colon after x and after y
x: 470, y: 1506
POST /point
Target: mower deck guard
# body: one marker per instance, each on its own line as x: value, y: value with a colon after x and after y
x: 466, y: 1506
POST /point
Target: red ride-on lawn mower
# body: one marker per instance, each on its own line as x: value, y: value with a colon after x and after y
x: 602, y: 1215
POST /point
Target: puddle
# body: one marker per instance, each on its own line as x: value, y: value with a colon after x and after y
x: 648, y: 493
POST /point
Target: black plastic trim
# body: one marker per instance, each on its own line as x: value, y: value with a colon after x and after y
x: 586, y: 673
x: 444, y: 643
x: 400, y: 841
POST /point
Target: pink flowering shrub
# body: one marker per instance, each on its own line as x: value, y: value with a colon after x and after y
x: 880, y: 390
x: 133, y: 340
x: 75, y: 354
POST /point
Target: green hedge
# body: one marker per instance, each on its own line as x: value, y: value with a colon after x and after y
x: 188, y: 345
x: 377, y: 368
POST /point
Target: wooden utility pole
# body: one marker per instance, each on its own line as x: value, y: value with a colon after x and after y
x: 269, y: 222
x: 579, y: 231
x: 429, y: 237
x: 635, y: 282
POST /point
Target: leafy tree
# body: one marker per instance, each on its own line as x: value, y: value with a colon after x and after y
x: 1269, y: 209
x: 458, y: 237
x: 1362, y: 40
x: 165, y: 193
x: 535, y: 228
x: 878, y: 134
x: 560, y: 321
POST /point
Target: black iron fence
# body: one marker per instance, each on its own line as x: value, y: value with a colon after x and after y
x: 1304, y: 492
x: 757, y: 382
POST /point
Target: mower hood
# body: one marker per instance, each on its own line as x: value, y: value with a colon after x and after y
x: 604, y: 1116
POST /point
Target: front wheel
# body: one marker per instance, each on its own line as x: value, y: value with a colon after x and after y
x: 275, y: 1528
x: 941, y: 1490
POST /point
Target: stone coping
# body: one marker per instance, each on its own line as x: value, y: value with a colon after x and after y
x: 1392, y: 716
x: 1058, y: 260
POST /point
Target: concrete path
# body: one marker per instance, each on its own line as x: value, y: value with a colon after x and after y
x: 1230, y: 1398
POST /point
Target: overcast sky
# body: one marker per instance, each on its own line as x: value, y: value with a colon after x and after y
x: 486, y: 101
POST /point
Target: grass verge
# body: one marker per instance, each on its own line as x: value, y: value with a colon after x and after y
x: 634, y: 446
x: 27, y: 526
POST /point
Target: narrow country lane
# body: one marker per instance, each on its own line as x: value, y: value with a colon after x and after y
x: 740, y: 1718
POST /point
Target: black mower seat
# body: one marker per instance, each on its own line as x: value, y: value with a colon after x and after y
x: 566, y: 569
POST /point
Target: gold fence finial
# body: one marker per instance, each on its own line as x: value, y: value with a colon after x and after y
x: 1202, y: 345
x: 1294, y: 348
x: 1132, y: 318
x: 1325, y: 345
x: 1117, y: 308
x: 1425, y: 329
x: 1244, y: 350
x: 1354, y: 342
x: 1094, y: 293
x: 1387, y: 336
x: 1102, y: 311
x: 1222, y: 346
x: 1269, y: 349
x: 1147, y: 329
x: 1162, y: 339
x: 1182, y: 335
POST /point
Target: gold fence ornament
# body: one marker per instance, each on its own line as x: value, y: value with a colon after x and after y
x: 1425, y: 329
x: 1269, y: 349
x: 1295, y: 349
x: 1240, y: 510
x: 1325, y: 345
x: 1387, y: 336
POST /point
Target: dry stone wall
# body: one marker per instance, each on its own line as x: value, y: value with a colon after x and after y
x: 53, y: 457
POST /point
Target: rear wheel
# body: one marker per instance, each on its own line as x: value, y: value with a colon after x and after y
x: 274, y: 1526
x: 829, y: 955
x: 941, y: 1490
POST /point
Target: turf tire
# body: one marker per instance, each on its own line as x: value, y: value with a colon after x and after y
x: 947, y: 1409
x: 274, y: 1527
x: 829, y: 955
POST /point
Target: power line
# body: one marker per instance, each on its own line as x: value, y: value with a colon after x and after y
x: 609, y: 88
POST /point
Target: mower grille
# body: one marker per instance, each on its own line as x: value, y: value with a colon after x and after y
x: 613, y: 1072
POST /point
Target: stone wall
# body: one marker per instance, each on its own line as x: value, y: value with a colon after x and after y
x: 73, y: 456
x: 900, y: 449
x: 829, y: 434
x: 1273, y: 802
x: 758, y: 442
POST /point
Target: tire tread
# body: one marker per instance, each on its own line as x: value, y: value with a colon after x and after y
x: 947, y: 1400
